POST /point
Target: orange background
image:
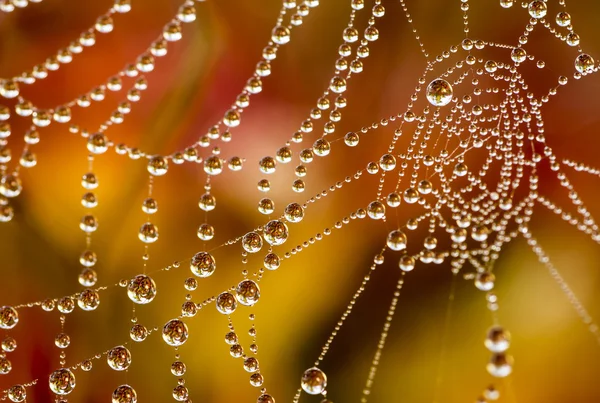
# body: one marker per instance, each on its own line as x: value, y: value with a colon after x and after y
x: 556, y: 359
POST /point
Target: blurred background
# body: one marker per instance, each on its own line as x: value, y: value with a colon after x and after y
x: 556, y: 358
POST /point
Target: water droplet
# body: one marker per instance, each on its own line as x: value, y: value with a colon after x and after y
x: 439, y: 92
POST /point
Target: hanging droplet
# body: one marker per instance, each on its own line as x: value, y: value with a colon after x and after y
x: 485, y: 281
x: 148, y: 233
x: 376, y: 210
x: 439, y: 92
x: 563, y: 19
x: 275, y: 232
x: 294, y: 212
x: 272, y: 261
x: 266, y: 206
x: 518, y: 55
x: 411, y: 195
x: 9, y: 344
x: 207, y: 202
x: 213, y: 165
x: 584, y: 63
x: 424, y: 187
x: 538, y: 9
x: 88, y: 277
x: 88, y: 300
x: 387, y: 162
x: 232, y: 118
x: 206, y: 232
x: 280, y: 35
x: 497, y: 339
x: 251, y: 364
x: 62, y: 381
x: 8, y: 317
x: 491, y: 393
x: 314, y: 381
x: 17, y: 393
x: 256, y: 380
x: 66, y: 305
x: 247, y: 292
x: 124, y: 394
x: 5, y: 366
x: 10, y: 185
x: 500, y: 365
x: 265, y: 399
x: 252, y: 242
x: 141, y: 289
x: 203, y: 264
x: 119, y: 358
x: 138, y: 332
x: 351, y: 139
x: 97, y: 143
x: 158, y: 165
x: 396, y: 240
x: 178, y: 368
x: 104, y: 24
x: 480, y: 233
x: 149, y: 206
x: 406, y: 263
x: 180, y: 393
x: 226, y: 303
x: 175, y: 332
x: 321, y: 147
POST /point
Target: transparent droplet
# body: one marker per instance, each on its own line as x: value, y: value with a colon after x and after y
x: 485, y: 281
x: 563, y: 19
x: 180, y: 393
x: 584, y: 63
x: 252, y: 242
x: 175, y: 332
x: 439, y: 92
x: 264, y: 398
x: 148, y: 233
x: 406, y: 263
x: 66, y: 305
x: 10, y: 185
x: 62, y: 381
x: 376, y: 210
x: 141, y: 289
x: 158, y: 165
x: 178, y: 368
x: 124, y: 394
x: 213, y: 165
x: 280, y: 35
x: 396, y: 240
x: 275, y: 232
x: 500, y: 365
x: 497, y: 339
x: 88, y: 300
x: 138, y: 332
x: 9, y: 344
x: 119, y: 358
x: 17, y: 393
x: 8, y: 317
x: 314, y: 381
x: 538, y: 9
x: 518, y: 55
x: 294, y: 212
x: 203, y: 264
x: 272, y: 261
x: 226, y: 303
x: 247, y: 292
